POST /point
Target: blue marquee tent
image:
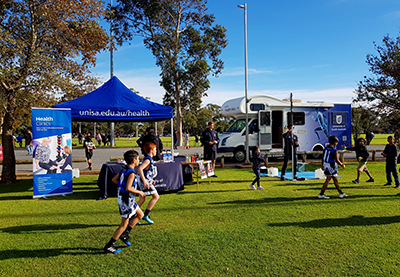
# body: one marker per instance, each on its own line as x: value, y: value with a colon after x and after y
x: 113, y: 101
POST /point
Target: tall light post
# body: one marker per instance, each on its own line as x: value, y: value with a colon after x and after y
x: 112, y: 142
x: 244, y: 7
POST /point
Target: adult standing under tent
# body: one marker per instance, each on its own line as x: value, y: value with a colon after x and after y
x: 152, y: 137
x: 210, y: 141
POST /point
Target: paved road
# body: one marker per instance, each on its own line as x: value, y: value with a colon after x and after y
x: 103, y: 154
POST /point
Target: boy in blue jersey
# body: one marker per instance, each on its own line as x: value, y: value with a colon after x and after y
x: 329, y: 161
x: 147, y: 172
x: 128, y: 208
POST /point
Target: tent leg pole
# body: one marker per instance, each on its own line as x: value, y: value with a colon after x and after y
x: 172, y: 137
x: 112, y: 142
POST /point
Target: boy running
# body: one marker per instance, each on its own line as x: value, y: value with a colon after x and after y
x: 362, y: 156
x: 128, y: 208
x: 329, y: 161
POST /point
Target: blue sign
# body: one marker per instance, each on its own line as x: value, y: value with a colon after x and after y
x: 52, y: 152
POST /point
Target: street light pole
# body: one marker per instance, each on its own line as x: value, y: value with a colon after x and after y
x: 244, y: 7
x: 112, y: 142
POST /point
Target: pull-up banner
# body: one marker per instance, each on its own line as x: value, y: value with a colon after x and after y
x: 52, y: 152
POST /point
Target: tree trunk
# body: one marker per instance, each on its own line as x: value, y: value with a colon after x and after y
x: 178, y: 109
x: 8, y: 173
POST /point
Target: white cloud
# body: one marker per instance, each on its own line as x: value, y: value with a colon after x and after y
x: 240, y: 72
x: 340, y: 95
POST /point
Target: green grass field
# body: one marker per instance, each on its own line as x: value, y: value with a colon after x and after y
x: 222, y: 229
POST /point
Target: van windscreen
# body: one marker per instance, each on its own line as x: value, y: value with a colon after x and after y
x: 237, y: 126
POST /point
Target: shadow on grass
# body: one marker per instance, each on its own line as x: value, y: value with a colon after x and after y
x: 49, y: 228
x: 19, y: 186
x: 212, y: 191
x: 46, y: 253
x: 353, y: 221
x: 85, y: 195
x: 292, y: 199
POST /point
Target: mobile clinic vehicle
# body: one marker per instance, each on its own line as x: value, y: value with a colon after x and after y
x: 268, y: 117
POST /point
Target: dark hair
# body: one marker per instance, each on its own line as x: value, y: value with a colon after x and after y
x: 255, y: 148
x: 333, y: 139
x: 390, y: 137
x: 210, y: 123
x: 358, y: 140
x: 148, y: 147
x: 130, y: 155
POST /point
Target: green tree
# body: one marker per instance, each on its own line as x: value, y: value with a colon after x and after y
x: 184, y: 41
x: 382, y: 90
x: 46, y: 48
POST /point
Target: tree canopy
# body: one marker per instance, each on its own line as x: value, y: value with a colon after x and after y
x: 381, y: 90
x: 46, y: 49
x: 184, y: 41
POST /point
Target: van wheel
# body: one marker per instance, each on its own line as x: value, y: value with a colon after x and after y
x: 240, y: 155
x: 317, y: 156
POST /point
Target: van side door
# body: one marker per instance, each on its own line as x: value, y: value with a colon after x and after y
x: 264, y: 125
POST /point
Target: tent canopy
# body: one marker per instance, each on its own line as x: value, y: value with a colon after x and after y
x: 113, y: 101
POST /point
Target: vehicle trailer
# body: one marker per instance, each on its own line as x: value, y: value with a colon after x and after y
x: 269, y: 117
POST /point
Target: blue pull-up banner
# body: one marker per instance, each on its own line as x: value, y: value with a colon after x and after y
x: 52, y: 152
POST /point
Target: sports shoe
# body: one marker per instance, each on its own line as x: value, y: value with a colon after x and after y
x: 323, y: 196
x: 397, y: 186
x: 260, y: 188
x: 125, y: 239
x: 387, y: 184
x: 111, y: 249
x: 371, y: 180
x: 356, y: 181
x: 147, y: 218
x: 283, y: 179
x: 138, y: 223
x: 252, y: 187
x: 215, y: 176
x: 90, y: 168
x: 343, y: 195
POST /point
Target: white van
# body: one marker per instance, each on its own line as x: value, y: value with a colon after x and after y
x: 268, y: 117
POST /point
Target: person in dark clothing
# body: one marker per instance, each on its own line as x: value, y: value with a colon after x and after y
x: 175, y: 140
x: 28, y: 142
x: 390, y: 153
x: 141, y: 139
x: 151, y: 137
x: 210, y: 141
x: 291, y: 142
x: 89, y: 146
x: 368, y: 137
x: 257, y: 160
x: 362, y: 156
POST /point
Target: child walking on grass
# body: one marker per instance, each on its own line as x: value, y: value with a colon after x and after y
x: 147, y: 172
x: 390, y: 153
x: 128, y: 208
x: 362, y: 156
x: 329, y: 166
x: 257, y: 160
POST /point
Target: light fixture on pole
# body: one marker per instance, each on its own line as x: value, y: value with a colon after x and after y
x: 244, y: 7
